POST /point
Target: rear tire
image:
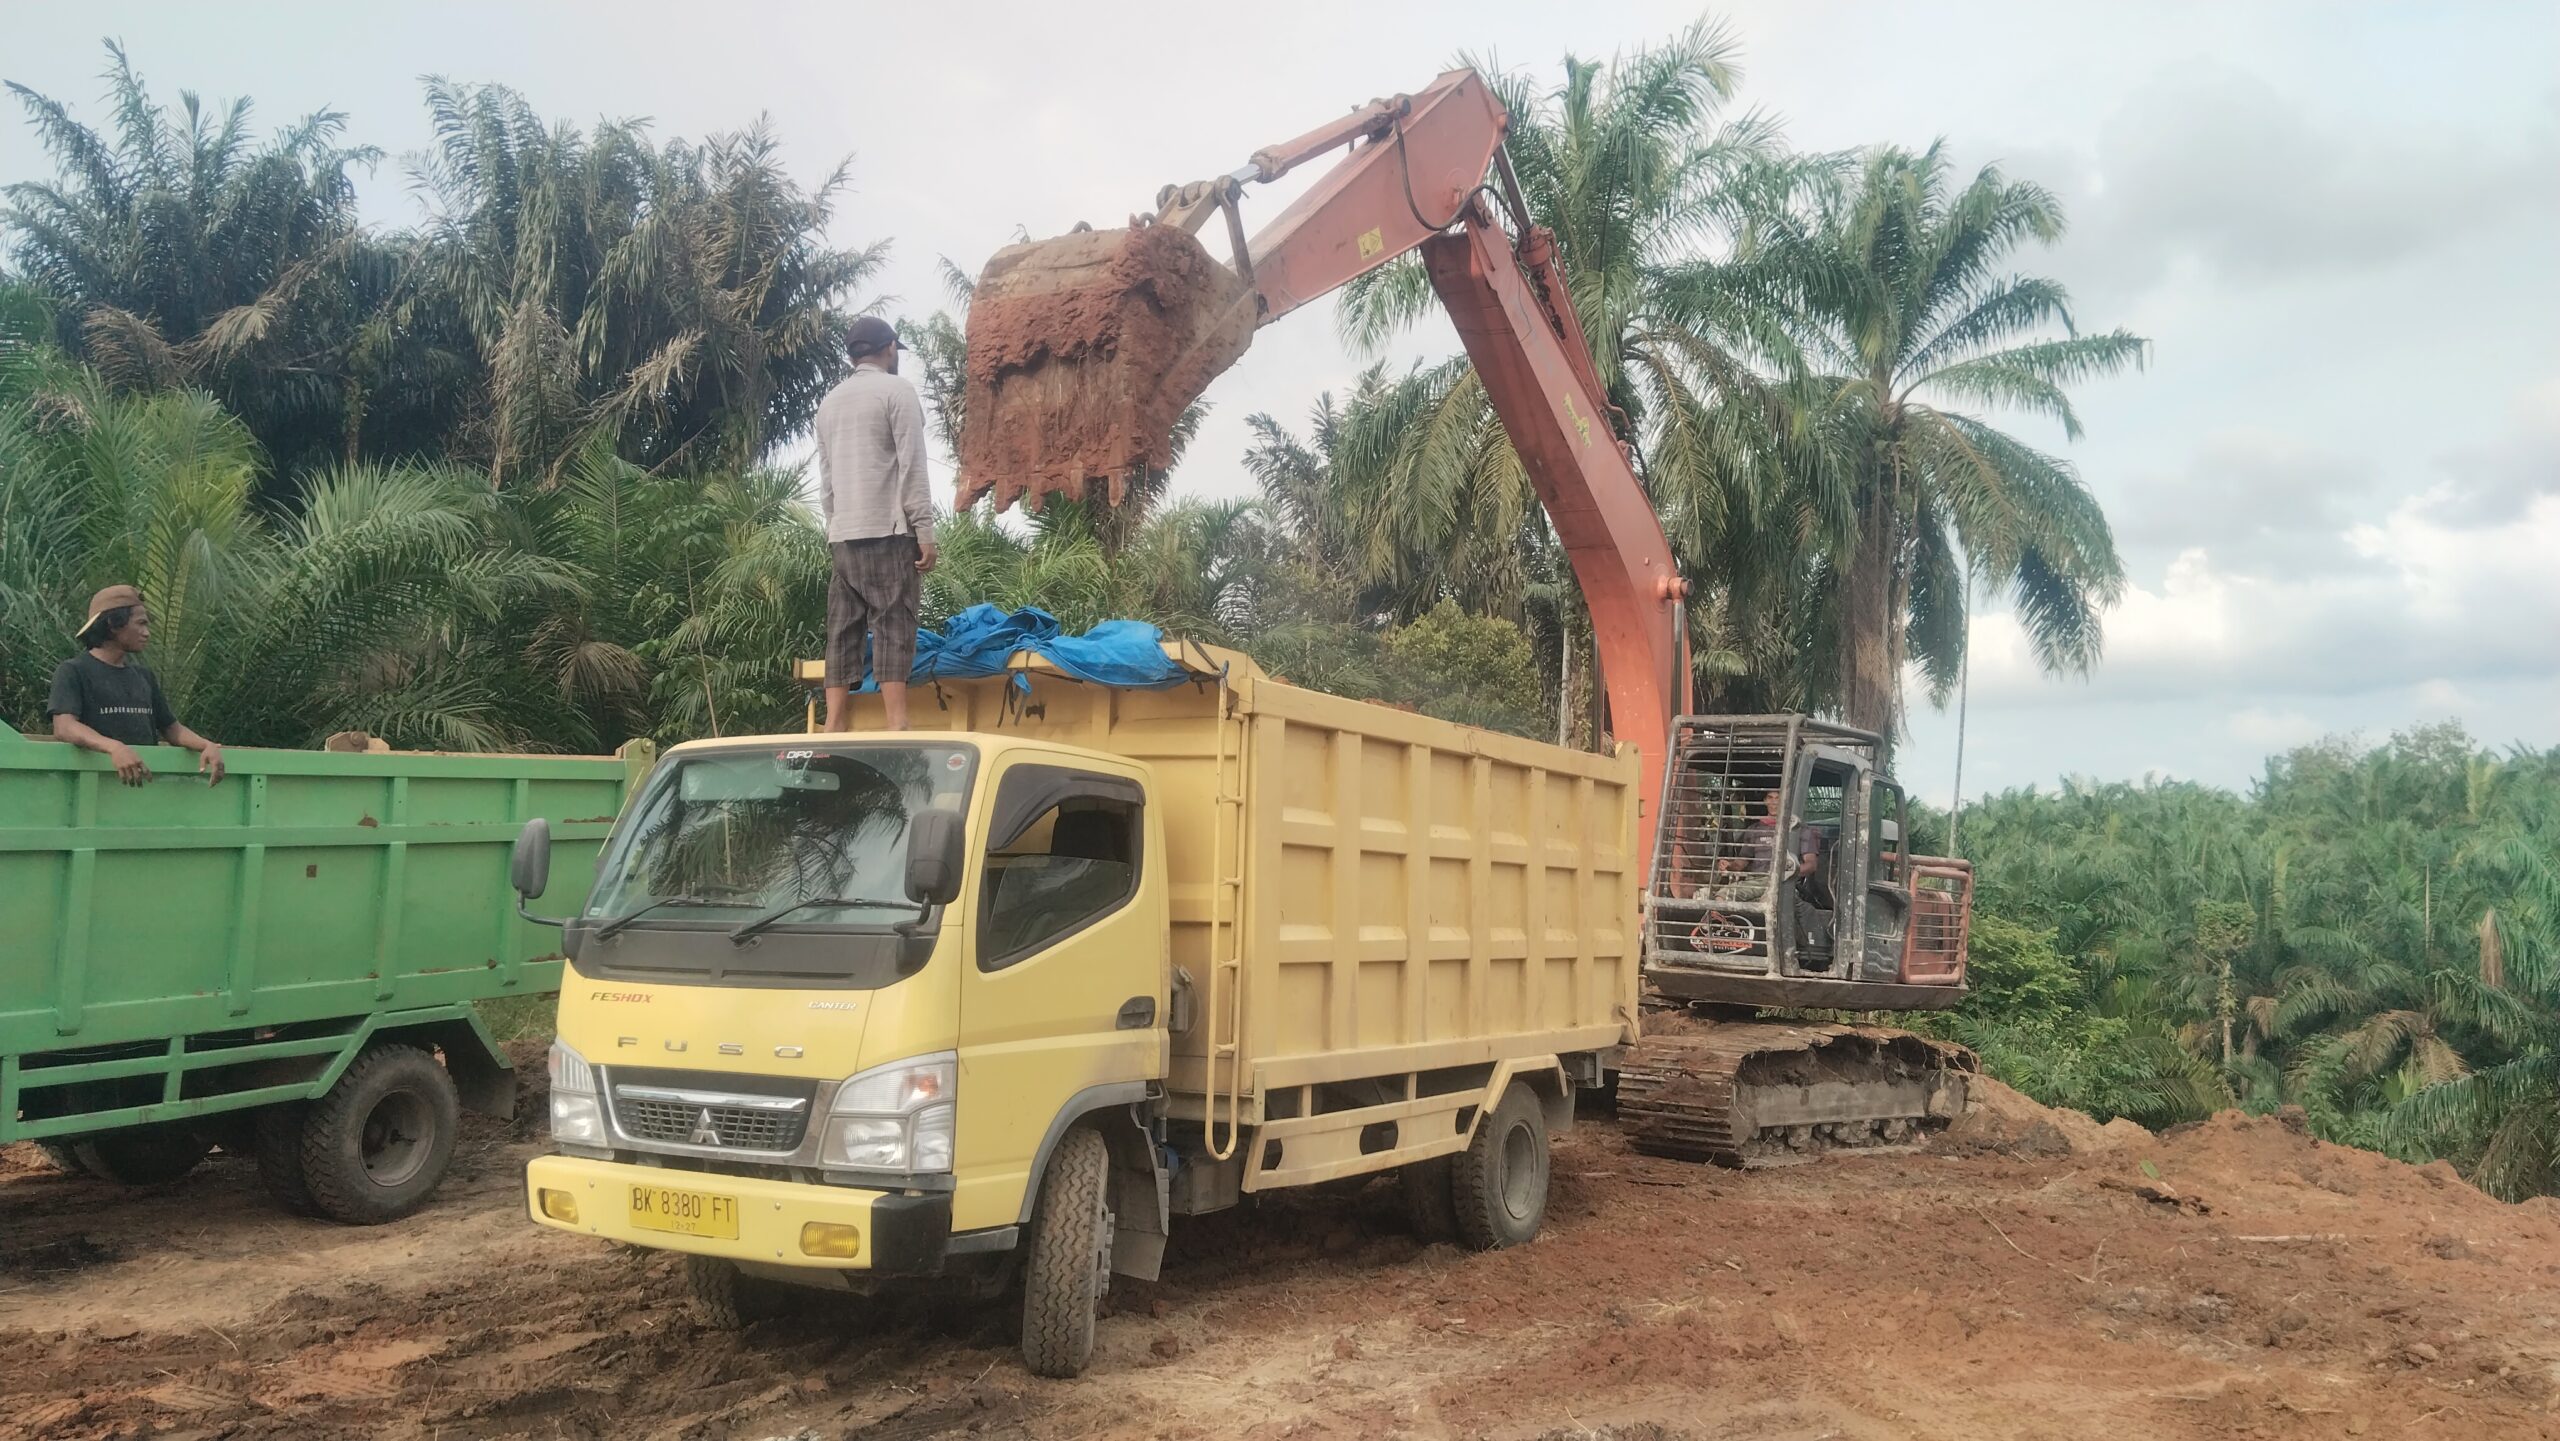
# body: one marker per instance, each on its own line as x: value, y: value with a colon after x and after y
x: 1069, y: 1265
x: 1429, y: 1205
x: 141, y: 1156
x: 276, y: 1141
x: 65, y: 1156
x: 724, y: 1298
x: 1500, y: 1187
x: 375, y: 1146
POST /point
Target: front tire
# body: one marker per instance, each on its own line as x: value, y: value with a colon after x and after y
x: 1069, y: 1266
x: 141, y: 1156
x: 724, y: 1298
x: 1501, y: 1183
x: 377, y: 1144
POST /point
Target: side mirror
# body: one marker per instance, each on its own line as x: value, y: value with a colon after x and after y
x: 529, y: 868
x: 937, y: 844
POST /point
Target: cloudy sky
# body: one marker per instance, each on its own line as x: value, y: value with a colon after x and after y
x: 2337, y: 486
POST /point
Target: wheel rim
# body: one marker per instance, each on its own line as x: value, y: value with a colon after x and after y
x: 396, y: 1138
x: 1519, y: 1172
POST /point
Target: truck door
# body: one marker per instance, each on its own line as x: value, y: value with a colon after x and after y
x: 1067, y: 975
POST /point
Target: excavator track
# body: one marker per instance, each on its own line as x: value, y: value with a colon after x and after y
x: 1752, y: 1094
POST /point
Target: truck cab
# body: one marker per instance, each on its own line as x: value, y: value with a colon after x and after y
x: 796, y: 949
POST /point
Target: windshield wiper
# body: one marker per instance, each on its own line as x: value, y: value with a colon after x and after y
x: 741, y: 935
x: 614, y: 926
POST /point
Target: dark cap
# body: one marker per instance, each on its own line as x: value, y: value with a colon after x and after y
x: 114, y: 597
x: 870, y: 336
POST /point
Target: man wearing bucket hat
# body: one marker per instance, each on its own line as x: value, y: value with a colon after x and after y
x: 105, y: 700
x: 879, y: 514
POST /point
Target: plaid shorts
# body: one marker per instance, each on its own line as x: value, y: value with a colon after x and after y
x: 872, y: 592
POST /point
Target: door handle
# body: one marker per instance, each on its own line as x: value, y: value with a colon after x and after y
x: 1137, y: 1013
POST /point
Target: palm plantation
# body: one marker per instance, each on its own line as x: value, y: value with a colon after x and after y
x: 507, y: 479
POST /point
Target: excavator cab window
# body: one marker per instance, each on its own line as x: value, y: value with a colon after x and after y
x: 1888, y: 898
x: 1887, y: 824
x: 1821, y: 816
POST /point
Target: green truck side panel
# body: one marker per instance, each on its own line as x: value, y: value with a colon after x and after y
x: 311, y: 893
x: 480, y: 1070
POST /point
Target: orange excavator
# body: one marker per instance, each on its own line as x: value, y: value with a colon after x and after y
x: 1777, y: 873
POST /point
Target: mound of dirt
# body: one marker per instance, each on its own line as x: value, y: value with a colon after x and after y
x: 2003, y: 1121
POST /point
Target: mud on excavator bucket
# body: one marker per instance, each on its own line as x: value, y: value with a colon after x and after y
x: 1083, y: 353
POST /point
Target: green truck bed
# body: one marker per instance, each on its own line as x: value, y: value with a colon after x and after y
x: 176, y: 950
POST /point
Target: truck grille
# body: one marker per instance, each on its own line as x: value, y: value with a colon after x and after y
x: 669, y: 1117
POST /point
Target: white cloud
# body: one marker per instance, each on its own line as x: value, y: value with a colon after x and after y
x: 2215, y: 167
x: 2274, y: 730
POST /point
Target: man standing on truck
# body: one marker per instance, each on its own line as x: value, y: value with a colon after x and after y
x: 107, y: 701
x: 879, y: 514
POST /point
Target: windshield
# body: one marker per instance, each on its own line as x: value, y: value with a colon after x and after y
x: 722, y: 837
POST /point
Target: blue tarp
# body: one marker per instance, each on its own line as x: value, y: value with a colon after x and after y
x: 978, y: 641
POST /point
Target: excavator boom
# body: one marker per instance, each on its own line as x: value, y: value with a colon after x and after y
x: 1084, y: 351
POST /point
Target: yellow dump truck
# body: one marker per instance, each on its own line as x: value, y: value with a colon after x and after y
x: 999, y: 1001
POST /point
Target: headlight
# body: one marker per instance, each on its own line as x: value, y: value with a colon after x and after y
x: 577, y: 1118
x: 897, y: 1117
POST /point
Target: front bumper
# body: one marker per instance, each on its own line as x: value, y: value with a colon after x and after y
x: 901, y: 1234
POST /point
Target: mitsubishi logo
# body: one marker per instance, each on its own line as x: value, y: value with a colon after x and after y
x: 704, y: 1133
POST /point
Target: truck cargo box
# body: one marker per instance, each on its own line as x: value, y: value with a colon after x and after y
x: 1358, y: 891
x: 226, y: 945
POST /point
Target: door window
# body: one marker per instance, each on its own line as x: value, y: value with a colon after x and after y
x: 1062, y: 854
x: 1888, y: 830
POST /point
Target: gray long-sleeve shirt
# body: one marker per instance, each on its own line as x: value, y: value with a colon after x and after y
x: 871, y: 476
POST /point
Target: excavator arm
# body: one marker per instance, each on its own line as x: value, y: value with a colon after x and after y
x: 1084, y: 350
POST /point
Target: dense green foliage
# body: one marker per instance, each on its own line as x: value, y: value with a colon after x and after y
x: 677, y: 302
x: 2372, y: 935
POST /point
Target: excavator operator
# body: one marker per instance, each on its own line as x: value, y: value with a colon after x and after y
x: 1754, y: 859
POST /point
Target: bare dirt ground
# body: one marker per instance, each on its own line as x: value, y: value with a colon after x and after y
x: 2032, y: 1276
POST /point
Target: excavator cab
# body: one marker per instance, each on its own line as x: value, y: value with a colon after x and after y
x: 1781, y: 882
x: 1780, y: 878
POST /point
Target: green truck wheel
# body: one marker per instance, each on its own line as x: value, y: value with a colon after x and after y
x: 376, y: 1146
x: 142, y: 1155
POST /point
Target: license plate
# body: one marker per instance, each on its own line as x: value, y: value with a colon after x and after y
x: 686, y: 1213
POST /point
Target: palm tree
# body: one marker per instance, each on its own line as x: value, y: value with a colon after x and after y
x: 679, y: 300
x: 1894, y: 285
x: 1650, y: 190
x: 187, y: 253
x: 2502, y: 1118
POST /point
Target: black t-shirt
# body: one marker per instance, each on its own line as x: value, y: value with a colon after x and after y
x: 120, y: 702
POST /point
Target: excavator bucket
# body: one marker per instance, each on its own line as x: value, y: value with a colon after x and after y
x: 1083, y: 353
